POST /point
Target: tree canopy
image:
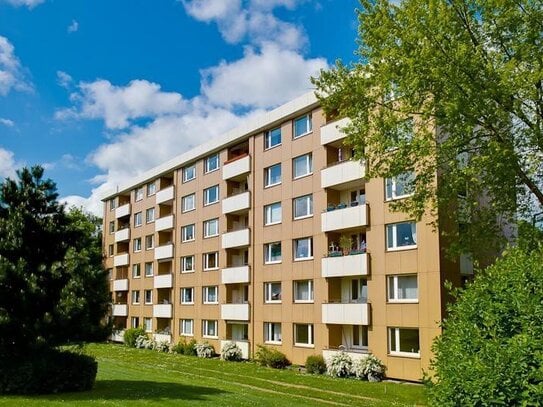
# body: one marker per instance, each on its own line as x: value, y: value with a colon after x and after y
x: 469, y: 74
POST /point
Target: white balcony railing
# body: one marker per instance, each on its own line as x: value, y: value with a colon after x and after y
x: 120, y: 285
x: 120, y: 310
x: 121, y: 260
x: 162, y: 338
x: 235, y: 275
x: 345, y: 218
x: 164, y: 223
x: 346, y: 314
x: 162, y: 310
x: 331, y: 132
x: 165, y: 195
x: 236, y: 167
x: 123, y: 210
x: 235, y: 312
x: 327, y: 354
x: 236, y: 203
x: 117, y: 336
x: 122, y: 235
x: 164, y: 281
x: 243, y: 345
x: 343, y: 174
x: 237, y: 238
x: 345, y: 266
x: 164, y: 252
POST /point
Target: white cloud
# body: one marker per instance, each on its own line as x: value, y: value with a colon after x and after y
x: 73, y: 27
x: 8, y: 165
x: 11, y: 71
x: 63, y: 79
x: 7, y: 122
x: 28, y: 3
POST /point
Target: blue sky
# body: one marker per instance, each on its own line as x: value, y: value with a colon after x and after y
x: 98, y: 91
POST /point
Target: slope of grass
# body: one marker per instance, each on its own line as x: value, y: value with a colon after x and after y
x: 147, y: 378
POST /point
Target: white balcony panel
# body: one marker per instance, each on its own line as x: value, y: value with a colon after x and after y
x: 162, y: 310
x: 162, y: 338
x: 117, y: 336
x: 331, y: 132
x: 346, y: 218
x: 243, y: 345
x: 235, y: 275
x: 121, y: 260
x: 345, y: 266
x: 236, y: 168
x: 164, y: 281
x: 164, y: 223
x: 342, y: 173
x: 235, y: 312
x: 238, y: 238
x: 165, y: 195
x: 327, y: 354
x: 120, y: 310
x: 122, y: 211
x: 346, y: 314
x: 164, y: 252
x: 236, y: 203
x: 122, y: 235
x: 120, y: 285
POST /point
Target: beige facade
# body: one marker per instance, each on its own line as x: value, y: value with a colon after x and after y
x: 272, y: 235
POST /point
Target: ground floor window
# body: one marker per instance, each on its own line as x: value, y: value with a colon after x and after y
x: 303, y: 335
x: 272, y: 332
x: 148, y: 324
x: 187, y: 326
x: 403, y: 342
x: 209, y: 328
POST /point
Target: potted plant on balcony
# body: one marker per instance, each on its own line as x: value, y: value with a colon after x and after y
x: 345, y: 243
x: 341, y: 205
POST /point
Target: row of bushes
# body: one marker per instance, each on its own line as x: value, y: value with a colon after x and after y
x: 368, y: 368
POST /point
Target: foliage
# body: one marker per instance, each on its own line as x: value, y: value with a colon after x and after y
x: 204, y: 350
x: 161, y: 346
x: 339, y: 365
x: 144, y: 342
x: 491, y: 349
x: 315, y: 364
x: 231, y: 351
x: 370, y: 368
x: 185, y: 348
x: 269, y: 357
x: 50, y: 371
x: 131, y: 334
x: 472, y: 68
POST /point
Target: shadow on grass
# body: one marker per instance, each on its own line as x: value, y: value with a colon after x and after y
x: 138, y: 390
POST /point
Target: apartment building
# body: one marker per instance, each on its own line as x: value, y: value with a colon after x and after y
x: 271, y: 234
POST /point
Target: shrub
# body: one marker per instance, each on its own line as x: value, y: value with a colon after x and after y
x: 205, y: 350
x: 130, y: 336
x: 340, y: 365
x: 143, y: 342
x: 370, y: 368
x: 50, y: 371
x: 315, y: 364
x: 185, y: 348
x: 271, y: 357
x: 162, y: 346
x: 231, y: 351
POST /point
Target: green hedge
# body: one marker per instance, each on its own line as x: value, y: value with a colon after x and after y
x: 315, y: 364
x: 131, y: 334
x: 271, y: 357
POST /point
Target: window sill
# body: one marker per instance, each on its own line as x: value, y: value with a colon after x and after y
x: 304, y: 301
x: 304, y: 258
x: 272, y: 185
x: 302, y: 176
x: 211, y: 269
x: 304, y: 345
x: 267, y: 263
x: 213, y: 170
x: 405, y: 355
x: 210, y: 303
x: 211, y: 203
x: 402, y: 301
x: 272, y: 147
x: 182, y: 334
x: 303, y: 217
x: 401, y: 248
x: 273, y: 343
x: 188, y: 180
x: 188, y: 271
x: 272, y: 302
x: 210, y: 337
x: 187, y: 303
x: 273, y: 223
x: 188, y: 210
x: 397, y: 198
x: 302, y: 135
x: 188, y: 241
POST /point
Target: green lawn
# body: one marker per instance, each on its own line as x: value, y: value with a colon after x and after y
x: 148, y: 378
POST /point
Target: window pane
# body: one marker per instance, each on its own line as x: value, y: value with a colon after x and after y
x: 301, y: 165
x: 303, y: 248
x: 404, y: 234
x: 409, y: 340
x: 302, y: 333
x: 273, y: 137
x: 407, y: 288
x: 273, y: 175
x: 302, y: 125
x: 303, y: 206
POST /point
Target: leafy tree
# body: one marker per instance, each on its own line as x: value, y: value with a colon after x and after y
x: 470, y: 74
x: 491, y: 349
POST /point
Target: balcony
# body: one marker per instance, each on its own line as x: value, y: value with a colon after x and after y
x: 235, y: 275
x: 162, y: 310
x: 122, y: 211
x: 162, y: 338
x: 121, y: 260
x: 120, y: 285
x: 243, y: 345
x: 120, y: 310
x: 164, y: 281
x: 235, y: 312
x: 117, y: 335
x: 165, y: 195
x: 165, y: 223
x: 345, y: 266
x: 237, y: 238
x: 164, y: 252
x: 346, y: 313
x: 236, y: 167
x: 236, y: 203
x: 122, y: 235
x: 332, y: 133
x: 344, y: 218
x: 343, y: 175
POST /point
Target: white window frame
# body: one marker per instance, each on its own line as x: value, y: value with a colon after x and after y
x: 390, y: 193
x: 111, y: 250
x: 149, y: 268
x: 393, y: 245
x: 206, y: 261
x: 206, y: 294
x: 308, y: 206
x: 206, y: 323
x: 310, y: 336
x: 269, y: 211
x: 309, y: 126
x: 150, y: 215
x: 393, y: 295
x: 185, y: 236
x: 151, y: 188
x: 148, y: 301
x: 267, y: 176
x: 396, y: 352
x: 311, y: 290
x: 138, y: 221
x: 149, y: 242
x: 135, y: 322
x: 270, y: 330
x: 361, y: 335
x: 183, y: 324
x: 112, y: 204
x: 187, y: 171
x: 208, y: 231
x: 207, y: 162
x: 136, y: 270
x: 138, y: 194
x: 207, y: 192
x: 268, y: 292
x: 308, y: 165
x: 187, y: 290
x: 136, y: 297
x: 111, y: 227
x: 136, y: 246
x: 185, y: 200
x: 268, y: 139
x: 268, y: 253
x: 148, y: 324
x: 310, y: 248
x: 184, y: 262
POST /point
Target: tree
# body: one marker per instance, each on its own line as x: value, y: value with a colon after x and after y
x: 491, y: 349
x: 470, y: 74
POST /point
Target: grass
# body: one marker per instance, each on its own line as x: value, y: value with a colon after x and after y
x: 138, y: 377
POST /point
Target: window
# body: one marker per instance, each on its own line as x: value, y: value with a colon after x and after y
x: 111, y: 227
x: 402, y: 288
x: 137, y: 219
x: 150, y: 215
x: 272, y: 138
x: 272, y: 292
x: 211, y: 261
x: 302, y: 126
x: 187, y: 327
x: 403, y: 342
x: 358, y: 197
x: 111, y: 250
x: 138, y: 194
x: 211, y: 228
x: 303, y: 291
x: 359, y: 290
x: 110, y: 274
x: 189, y: 173
x: 360, y: 336
x: 302, y: 166
x: 135, y: 297
x: 212, y: 163
x: 272, y: 253
x: 148, y: 296
x: 211, y: 295
x: 209, y: 328
x: 137, y: 244
x: 272, y: 332
x: 135, y: 322
x: 148, y: 324
x: 187, y: 264
x: 399, y: 186
x: 148, y: 269
x: 188, y: 203
x: 402, y: 235
x: 151, y: 188
x: 112, y: 204
x: 303, y: 335
x: 149, y: 242
x: 272, y: 175
x: 303, y: 206
x: 272, y: 213
x: 211, y: 195
x: 187, y: 233
x: 136, y: 270
x: 303, y: 248
x: 187, y: 295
